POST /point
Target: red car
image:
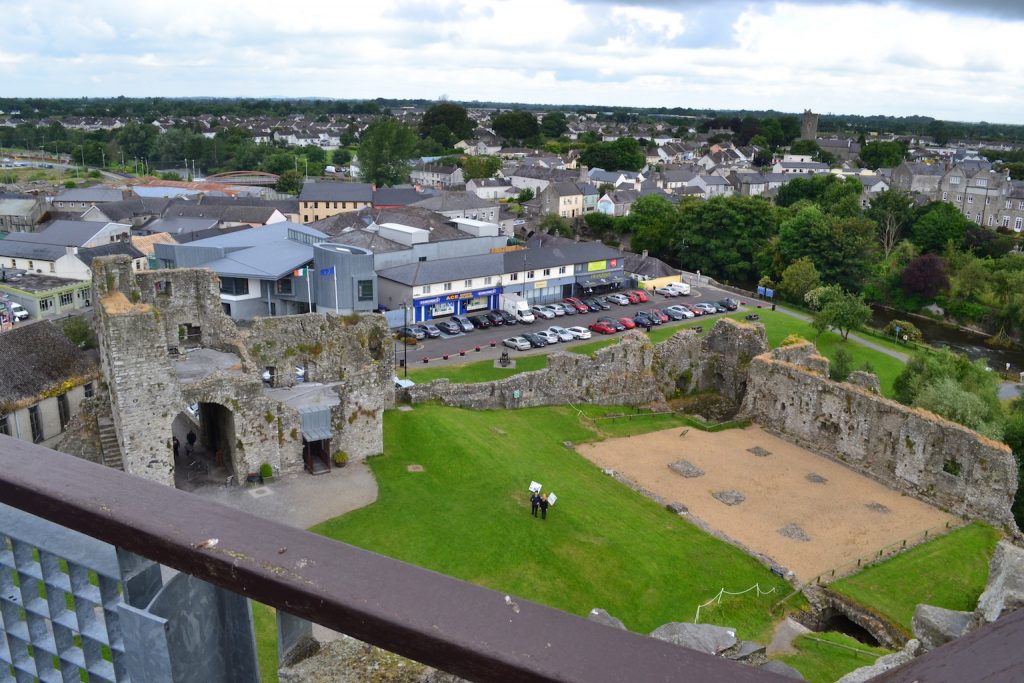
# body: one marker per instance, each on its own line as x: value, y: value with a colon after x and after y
x: 627, y: 323
x: 656, y: 312
x: 641, y: 296
x: 693, y: 309
x: 603, y: 328
x: 577, y: 304
x: 633, y: 297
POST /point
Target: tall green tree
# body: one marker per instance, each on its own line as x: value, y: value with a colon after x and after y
x: 384, y: 152
x: 842, y: 249
x: 799, y: 278
x: 481, y: 166
x: 653, y: 218
x: 623, y: 154
x: 722, y: 235
x: 452, y: 119
x: 289, y: 182
x: 883, y: 154
x: 938, y: 225
x: 516, y: 126
x: 893, y: 212
x: 841, y: 311
x: 554, y: 124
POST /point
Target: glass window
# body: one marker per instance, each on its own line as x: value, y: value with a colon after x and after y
x: 89, y: 389
x: 426, y: 289
x: 954, y: 180
x: 64, y: 410
x: 547, y: 271
x: 5, y: 426
x: 1017, y: 224
x: 561, y: 270
x: 447, y: 286
x: 529, y: 276
x: 945, y: 195
x: 36, y: 423
x: 234, y: 286
x: 467, y: 283
x: 487, y: 280
x: 283, y: 286
x: 514, y: 277
x: 46, y: 304
x: 67, y: 298
x: 365, y: 290
x: 970, y: 199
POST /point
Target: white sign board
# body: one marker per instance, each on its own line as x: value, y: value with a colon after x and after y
x: 552, y: 498
x: 534, y: 487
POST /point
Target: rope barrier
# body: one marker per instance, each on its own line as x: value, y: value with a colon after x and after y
x: 722, y: 592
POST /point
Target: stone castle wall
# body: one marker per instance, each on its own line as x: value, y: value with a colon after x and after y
x: 907, y: 449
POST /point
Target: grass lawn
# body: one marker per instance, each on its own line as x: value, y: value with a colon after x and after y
x: 948, y: 572
x: 827, y: 657
x: 468, y: 515
x: 264, y: 621
x: 479, y: 371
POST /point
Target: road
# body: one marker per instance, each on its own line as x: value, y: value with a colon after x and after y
x: 434, y: 349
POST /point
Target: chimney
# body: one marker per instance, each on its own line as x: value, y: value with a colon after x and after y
x: 71, y: 250
x: 644, y: 253
x: 373, y: 187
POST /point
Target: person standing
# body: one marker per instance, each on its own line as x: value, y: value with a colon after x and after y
x: 534, y: 503
x: 190, y: 439
x: 175, y: 445
x: 544, y: 506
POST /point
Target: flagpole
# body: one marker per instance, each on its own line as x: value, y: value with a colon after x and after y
x: 335, y: 269
x: 309, y: 289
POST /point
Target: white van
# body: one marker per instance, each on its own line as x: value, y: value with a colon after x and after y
x: 19, y: 311
x: 680, y: 287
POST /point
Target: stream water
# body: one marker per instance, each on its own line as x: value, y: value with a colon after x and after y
x: 973, y: 345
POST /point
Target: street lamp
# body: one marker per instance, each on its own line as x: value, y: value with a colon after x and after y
x: 405, y: 345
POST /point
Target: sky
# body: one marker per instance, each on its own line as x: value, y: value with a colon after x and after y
x: 948, y: 59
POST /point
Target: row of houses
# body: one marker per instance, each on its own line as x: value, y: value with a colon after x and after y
x: 982, y: 194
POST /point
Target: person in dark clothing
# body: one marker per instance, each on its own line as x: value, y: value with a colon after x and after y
x: 534, y: 503
x: 175, y: 445
x: 190, y: 439
x: 544, y: 507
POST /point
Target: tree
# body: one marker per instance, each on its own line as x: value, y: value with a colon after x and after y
x: 599, y: 223
x: 925, y: 370
x: 623, y: 154
x: 946, y: 397
x: 893, y: 211
x: 841, y: 248
x: 939, y: 132
x: 799, y: 278
x: 841, y: 365
x: 279, y: 162
x: 843, y: 312
x: 553, y: 224
x: 516, y: 126
x: 314, y: 154
x: 805, y: 148
x: 290, y: 182
x: 384, y: 152
x: 652, y: 218
x: 79, y: 332
x: 554, y: 124
x: 482, y: 166
x: 525, y: 195
x: 720, y: 236
x: 835, y: 195
x: 939, y: 224
x: 882, y: 154
x: 445, y: 121
x: 925, y: 276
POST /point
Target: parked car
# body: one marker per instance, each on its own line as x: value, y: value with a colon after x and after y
x: 641, y: 296
x: 665, y: 290
x: 707, y: 307
x: 449, y: 327
x: 593, y: 305
x: 680, y: 288
x: 678, y: 312
x: 480, y: 322
x: 19, y: 311
x: 557, y: 309
x: 641, y: 319
x: 627, y: 322
x: 602, y: 327
x: 548, y: 336
x: 577, y: 304
x: 728, y: 304
x: 620, y: 299
x: 517, y: 343
x: 632, y: 297
x: 543, y: 312
x: 615, y: 324
x: 495, y: 318
x: 463, y: 322
x: 410, y: 332
x: 535, y: 340
x: 506, y: 316
x: 658, y: 316
x: 429, y: 330
x: 603, y: 302
x: 568, y: 308
x: 694, y: 308
x: 563, y: 334
x: 579, y: 332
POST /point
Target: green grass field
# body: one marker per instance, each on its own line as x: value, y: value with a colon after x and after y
x: 827, y: 657
x: 478, y: 371
x: 948, y: 572
x: 468, y: 515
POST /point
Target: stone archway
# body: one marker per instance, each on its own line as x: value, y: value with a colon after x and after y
x: 204, y: 443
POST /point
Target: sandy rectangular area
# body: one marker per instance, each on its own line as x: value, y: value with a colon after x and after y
x: 834, y: 514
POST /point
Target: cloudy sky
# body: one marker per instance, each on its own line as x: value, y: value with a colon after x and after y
x: 950, y: 59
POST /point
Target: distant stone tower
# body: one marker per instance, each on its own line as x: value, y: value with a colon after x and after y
x: 809, y: 126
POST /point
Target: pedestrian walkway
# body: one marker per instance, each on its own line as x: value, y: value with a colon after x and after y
x: 853, y: 337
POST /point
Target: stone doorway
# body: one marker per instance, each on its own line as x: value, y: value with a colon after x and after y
x: 204, y: 446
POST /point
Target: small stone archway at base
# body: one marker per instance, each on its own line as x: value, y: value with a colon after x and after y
x: 205, y: 444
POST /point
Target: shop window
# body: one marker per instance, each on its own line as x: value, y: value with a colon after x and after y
x: 365, y: 290
x: 283, y: 286
x: 67, y: 298
x: 46, y: 304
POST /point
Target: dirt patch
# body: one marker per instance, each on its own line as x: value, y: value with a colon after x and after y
x: 778, y: 491
x: 415, y: 468
x: 878, y: 507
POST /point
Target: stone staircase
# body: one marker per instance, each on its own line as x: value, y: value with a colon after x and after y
x: 111, y: 450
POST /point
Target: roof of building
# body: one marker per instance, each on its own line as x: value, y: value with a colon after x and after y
x: 64, y: 233
x: 256, y: 236
x: 445, y: 270
x: 87, y: 254
x: 920, y: 168
x: 333, y: 191
x: 413, y: 216
x: 40, y: 358
x: 544, y: 251
x: 31, y: 250
x: 182, y: 225
x: 396, y: 196
x: 145, y: 243
x: 454, y: 201
x: 269, y: 260
x: 97, y: 195
x: 17, y: 207
x: 126, y: 209
x: 644, y: 264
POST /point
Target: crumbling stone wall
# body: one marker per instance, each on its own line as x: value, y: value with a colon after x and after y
x: 138, y: 320
x: 725, y: 354
x: 905, y: 448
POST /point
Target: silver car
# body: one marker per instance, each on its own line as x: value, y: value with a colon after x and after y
x: 463, y: 322
x: 563, y: 334
x: 517, y: 343
x: 579, y: 332
x: 619, y: 299
x: 548, y: 336
x: 543, y: 312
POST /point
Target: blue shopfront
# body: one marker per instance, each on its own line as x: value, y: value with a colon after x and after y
x: 457, y: 303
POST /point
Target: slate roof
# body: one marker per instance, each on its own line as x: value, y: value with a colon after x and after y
x: 396, y: 196
x: 413, y: 216
x: 38, y: 357
x: 87, y: 254
x: 454, y: 201
x: 643, y: 264
x: 182, y: 225
x: 445, y: 270
x: 126, y: 209
x: 31, y: 250
x: 544, y: 251
x: 95, y: 195
x: 63, y: 233
x: 331, y: 191
x: 16, y: 207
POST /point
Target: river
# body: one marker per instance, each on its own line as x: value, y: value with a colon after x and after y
x: 973, y: 345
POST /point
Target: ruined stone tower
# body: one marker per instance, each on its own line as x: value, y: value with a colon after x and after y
x: 809, y: 125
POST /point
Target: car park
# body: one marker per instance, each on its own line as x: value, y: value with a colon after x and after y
x: 694, y: 308
x: 555, y: 308
x: 479, y: 322
x: 641, y: 296
x: 678, y: 312
x: 517, y: 343
x: 567, y: 308
x: 506, y: 316
x: 563, y: 334
x: 602, y: 327
x: 728, y: 304
x: 620, y: 299
x: 708, y: 308
x: 543, y: 312
x: 618, y: 326
x: 464, y: 322
x: 548, y: 336
x: 579, y: 332
x: 627, y: 322
x: 410, y: 333
x: 593, y: 305
x: 657, y: 316
x: 680, y: 288
x: 449, y: 327
x: 604, y: 302
x: 535, y: 340
x: 641, y: 319
x: 429, y: 330
x: 666, y: 291
x: 495, y: 318
x: 632, y: 297
x: 577, y: 304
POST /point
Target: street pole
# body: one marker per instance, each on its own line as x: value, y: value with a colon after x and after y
x: 405, y: 344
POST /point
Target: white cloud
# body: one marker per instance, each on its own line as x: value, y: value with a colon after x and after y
x: 840, y: 56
